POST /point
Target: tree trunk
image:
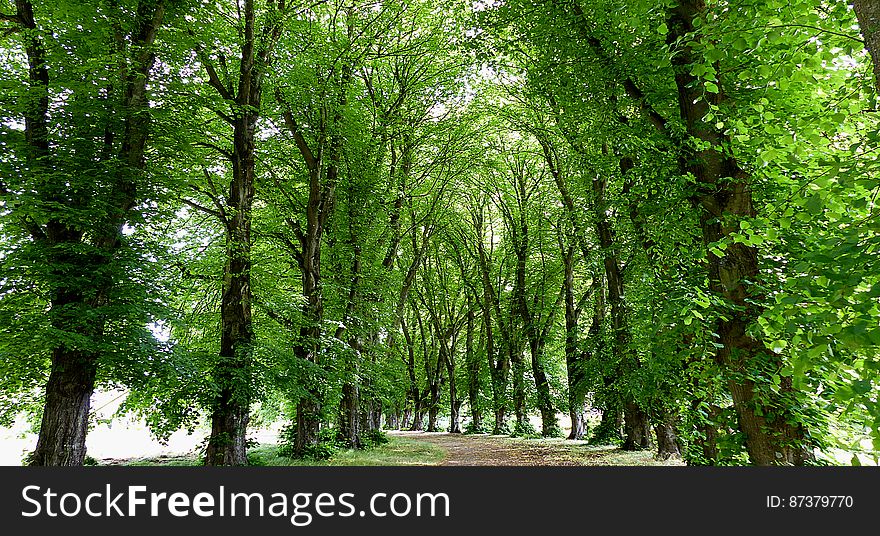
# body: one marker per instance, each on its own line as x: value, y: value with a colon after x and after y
x: 418, y: 415
x: 62, y: 438
x: 868, y: 15
x: 668, y: 443
x: 636, y: 435
x: 768, y: 419
x: 519, y: 388
x: 448, y: 342
x: 454, y: 419
x: 434, y: 408
x: 376, y: 409
x: 226, y: 444
x: 709, y: 441
x: 454, y: 402
x: 575, y: 359
x: 609, y: 429
x: 229, y: 411
x: 413, y: 393
x: 473, y: 364
x: 499, y: 367
x: 549, y: 422
x: 349, y: 424
x: 636, y: 428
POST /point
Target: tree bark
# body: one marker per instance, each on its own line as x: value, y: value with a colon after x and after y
x: 349, y: 423
x: 773, y: 435
x: 668, y: 443
x: 63, y: 428
x: 473, y: 364
x: 519, y: 387
x: 447, y: 353
x: 868, y: 15
x: 575, y: 358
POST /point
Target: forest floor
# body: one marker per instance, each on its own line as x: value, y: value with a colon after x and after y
x: 461, y: 449
x: 442, y: 448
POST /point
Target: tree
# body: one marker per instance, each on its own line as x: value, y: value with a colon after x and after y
x: 79, y: 182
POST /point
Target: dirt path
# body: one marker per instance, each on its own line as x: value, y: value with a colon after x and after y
x: 502, y: 450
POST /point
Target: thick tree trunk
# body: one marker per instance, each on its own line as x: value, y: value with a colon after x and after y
x: 376, y: 409
x: 434, y: 408
x: 668, y: 443
x: 868, y: 15
x: 62, y: 438
x: 418, y: 417
x: 549, y: 422
x: 500, y: 413
x: 610, y: 427
x: 64, y: 423
x: 349, y: 424
x: 767, y: 418
x: 309, y: 408
x: 636, y: 428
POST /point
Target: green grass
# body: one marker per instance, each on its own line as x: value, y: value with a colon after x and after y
x: 398, y: 451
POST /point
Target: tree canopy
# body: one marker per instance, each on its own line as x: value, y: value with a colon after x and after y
x: 459, y: 215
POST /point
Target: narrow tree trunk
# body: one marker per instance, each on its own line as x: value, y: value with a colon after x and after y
x: 413, y: 394
x: 473, y: 369
x: 499, y: 366
x: 575, y: 359
x: 454, y: 402
x: 454, y: 418
x: 636, y: 434
x: 708, y: 439
x: 519, y: 388
x: 232, y: 374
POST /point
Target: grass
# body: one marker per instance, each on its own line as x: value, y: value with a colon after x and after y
x: 398, y: 451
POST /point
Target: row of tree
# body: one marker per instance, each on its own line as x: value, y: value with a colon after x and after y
x: 344, y: 213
